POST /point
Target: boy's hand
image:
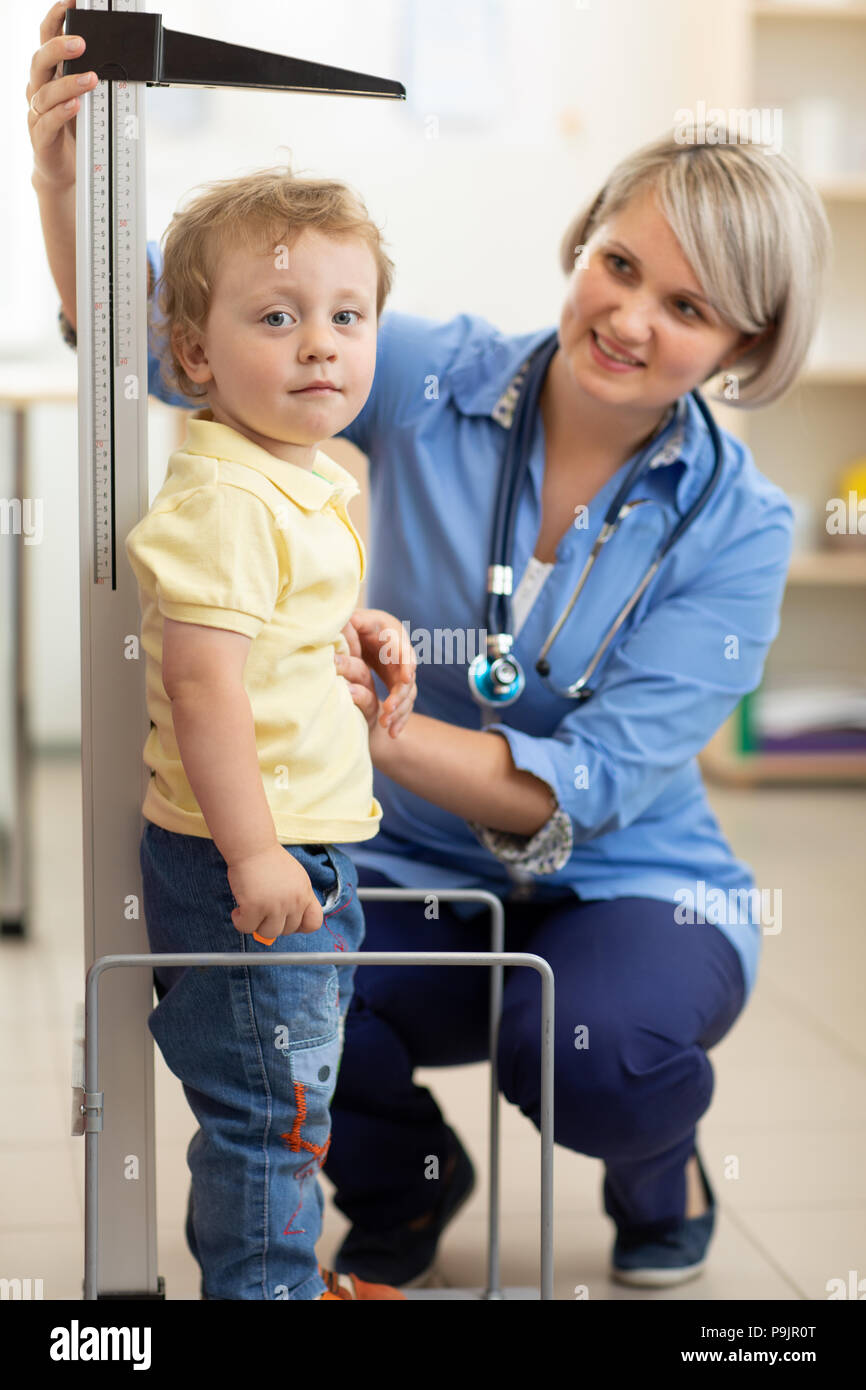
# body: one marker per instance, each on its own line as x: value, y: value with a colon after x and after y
x: 274, y: 895
x: 378, y: 642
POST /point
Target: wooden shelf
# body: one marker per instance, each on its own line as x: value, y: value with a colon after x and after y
x: 825, y: 12
x: 722, y: 762
x: 845, y: 566
x: 843, y: 188
x: 832, y: 374
x: 24, y: 383
x: 842, y: 567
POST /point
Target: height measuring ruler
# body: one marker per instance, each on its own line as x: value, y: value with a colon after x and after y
x: 128, y: 49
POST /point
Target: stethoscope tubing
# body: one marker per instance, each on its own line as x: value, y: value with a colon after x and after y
x: 516, y: 466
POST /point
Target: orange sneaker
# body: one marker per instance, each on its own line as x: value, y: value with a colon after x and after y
x: 360, y: 1288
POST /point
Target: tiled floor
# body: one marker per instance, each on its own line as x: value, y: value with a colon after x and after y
x: 789, y: 1102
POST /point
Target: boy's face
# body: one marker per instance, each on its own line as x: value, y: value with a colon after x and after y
x: 280, y: 322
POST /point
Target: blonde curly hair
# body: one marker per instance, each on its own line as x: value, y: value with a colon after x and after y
x: 257, y: 211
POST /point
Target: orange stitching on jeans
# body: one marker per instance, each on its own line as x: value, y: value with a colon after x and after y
x: 294, y: 1137
x: 296, y: 1143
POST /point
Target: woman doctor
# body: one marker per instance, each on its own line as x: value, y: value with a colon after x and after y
x: 587, y: 816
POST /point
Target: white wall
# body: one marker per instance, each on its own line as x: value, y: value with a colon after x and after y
x: 535, y: 101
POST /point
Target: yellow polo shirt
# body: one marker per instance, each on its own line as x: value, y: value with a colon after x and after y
x: 236, y: 538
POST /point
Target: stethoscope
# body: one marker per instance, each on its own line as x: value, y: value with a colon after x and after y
x: 497, y: 678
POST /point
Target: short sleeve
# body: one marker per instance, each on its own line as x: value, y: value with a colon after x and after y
x: 215, y: 557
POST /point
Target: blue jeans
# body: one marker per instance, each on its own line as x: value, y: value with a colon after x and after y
x: 257, y: 1051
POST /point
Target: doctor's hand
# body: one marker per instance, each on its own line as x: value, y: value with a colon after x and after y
x: 378, y: 642
x: 55, y: 102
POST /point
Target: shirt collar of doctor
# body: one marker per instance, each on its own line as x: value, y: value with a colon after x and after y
x: 311, y: 490
x: 484, y: 384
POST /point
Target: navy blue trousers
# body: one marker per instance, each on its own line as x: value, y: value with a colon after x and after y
x: 639, y: 1001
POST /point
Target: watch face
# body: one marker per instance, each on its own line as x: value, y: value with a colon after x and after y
x: 67, y: 332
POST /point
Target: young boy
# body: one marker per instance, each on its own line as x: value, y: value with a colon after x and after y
x: 249, y: 569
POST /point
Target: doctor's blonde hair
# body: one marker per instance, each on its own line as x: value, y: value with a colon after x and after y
x: 755, y: 234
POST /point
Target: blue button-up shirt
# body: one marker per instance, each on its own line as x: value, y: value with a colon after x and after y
x: 631, y: 815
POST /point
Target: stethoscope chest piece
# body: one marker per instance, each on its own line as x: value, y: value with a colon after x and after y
x: 496, y: 676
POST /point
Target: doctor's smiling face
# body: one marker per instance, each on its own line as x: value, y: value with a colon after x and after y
x: 636, y: 331
x: 276, y: 332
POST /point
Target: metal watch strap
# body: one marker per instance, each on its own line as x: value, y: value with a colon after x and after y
x: 67, y: 332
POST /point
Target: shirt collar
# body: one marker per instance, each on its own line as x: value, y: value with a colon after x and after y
x: 479, y: 380
x: 309, y: 489
x: 488, y: 383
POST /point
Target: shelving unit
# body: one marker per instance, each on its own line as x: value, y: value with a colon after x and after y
x: 804, y: 441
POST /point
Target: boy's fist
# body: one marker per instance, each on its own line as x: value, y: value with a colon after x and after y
x: 274, y: 895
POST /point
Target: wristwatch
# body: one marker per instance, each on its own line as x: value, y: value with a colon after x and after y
x: 67, y: 332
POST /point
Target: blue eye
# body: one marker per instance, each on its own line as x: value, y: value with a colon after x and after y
x: 282, y: 313
x: 690, y: 306
x: 614, y: 257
